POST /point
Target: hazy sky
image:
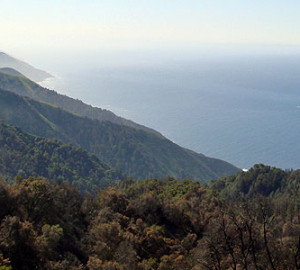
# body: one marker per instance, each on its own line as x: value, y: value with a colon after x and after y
x: 58, y: 25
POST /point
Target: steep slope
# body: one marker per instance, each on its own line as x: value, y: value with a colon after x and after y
x: 27, y: 70
x: 26, y: 155
x: 25, y: 87
x: 137, y: 153
x: 11, y: 71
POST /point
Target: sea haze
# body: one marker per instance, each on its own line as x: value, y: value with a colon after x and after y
x: 244, y: 109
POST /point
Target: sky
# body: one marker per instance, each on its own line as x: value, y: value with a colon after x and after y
x: 32, y: 26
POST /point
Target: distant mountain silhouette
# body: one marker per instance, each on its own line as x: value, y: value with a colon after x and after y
x: 11, y: 71
x: 37, y: 75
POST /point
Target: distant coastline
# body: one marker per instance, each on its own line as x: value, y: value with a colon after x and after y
x: 225, y: 111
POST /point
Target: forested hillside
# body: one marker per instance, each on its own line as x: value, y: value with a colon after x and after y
x: 25, y: 87
x: 137, y: 153
x: 25, y: 155
x: 260, y: 179
x: 154, y: 224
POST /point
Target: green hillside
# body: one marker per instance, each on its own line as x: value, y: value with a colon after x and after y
x: 25, y: 155
x: 25, y: 87
x: 137, y: 153
x: 261, y: 180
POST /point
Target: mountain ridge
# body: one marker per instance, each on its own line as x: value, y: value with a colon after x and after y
x: 135, y: 152
x: 25, y: 87
x: 38, y: 75
x: 11, y: 71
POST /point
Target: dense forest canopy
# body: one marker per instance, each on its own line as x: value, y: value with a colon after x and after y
x: 248, y: 221
x: 22, y: 154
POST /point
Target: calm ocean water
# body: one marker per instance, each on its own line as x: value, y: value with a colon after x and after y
x: 244, y: 110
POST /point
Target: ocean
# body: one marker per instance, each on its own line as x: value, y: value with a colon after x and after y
x: 244, y: 109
